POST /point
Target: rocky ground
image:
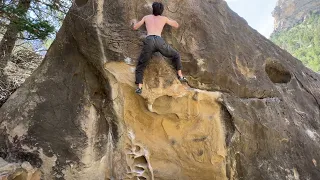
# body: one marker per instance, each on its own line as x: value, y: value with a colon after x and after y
x: 20, y: 66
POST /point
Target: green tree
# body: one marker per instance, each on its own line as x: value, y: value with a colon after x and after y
x: 28, y: 20
x: 302, y: 41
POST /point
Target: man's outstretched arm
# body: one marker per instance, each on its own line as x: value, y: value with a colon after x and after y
x: 138, y: 24
x: 172, y: 23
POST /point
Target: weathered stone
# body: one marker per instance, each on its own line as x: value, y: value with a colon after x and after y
x: 250, y: 110
x: 15, y: 171
x: 19, y: 67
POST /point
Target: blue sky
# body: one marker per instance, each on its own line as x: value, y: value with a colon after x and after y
x: 256, y: 12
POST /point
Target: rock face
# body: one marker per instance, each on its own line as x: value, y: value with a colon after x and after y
x: 291, y: 12
x: 20, y: 66
x: 250, y: 111
x: 16, y: 171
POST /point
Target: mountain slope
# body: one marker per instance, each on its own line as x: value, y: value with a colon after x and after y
x: 289, y: 13
x: 302, y: 41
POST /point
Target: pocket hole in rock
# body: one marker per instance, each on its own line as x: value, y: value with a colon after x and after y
x: 81, y: 3
x: 141, y: 160
x: 138, y: 169
x: 276, y: 72
x: 142, y: 178
x: 137, y: 149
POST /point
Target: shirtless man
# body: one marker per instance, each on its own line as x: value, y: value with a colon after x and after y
x: 154, y: 43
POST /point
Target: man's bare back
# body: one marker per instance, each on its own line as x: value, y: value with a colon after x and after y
x: 154, y: 43
x: 155, y: 24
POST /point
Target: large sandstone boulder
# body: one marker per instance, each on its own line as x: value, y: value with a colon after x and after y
x: 250, y: 110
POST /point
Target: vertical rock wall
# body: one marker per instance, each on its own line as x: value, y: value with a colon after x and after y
x: 250, y: 109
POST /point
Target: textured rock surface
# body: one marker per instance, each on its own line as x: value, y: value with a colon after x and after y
x: 20, y: 66
x: 250, y: 111
x: 15, y: 171
x: 291, y: 12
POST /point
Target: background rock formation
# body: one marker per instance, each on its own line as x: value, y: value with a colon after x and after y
x: 250, y: 111
x: 297, y: 30
x: 291, y: 12
x: 20, y: 66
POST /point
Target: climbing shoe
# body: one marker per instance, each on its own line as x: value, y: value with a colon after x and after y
x: 139, y: 90
x: 182, y: 79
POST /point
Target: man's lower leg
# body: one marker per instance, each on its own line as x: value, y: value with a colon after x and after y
x: 180, y: 77
x: 139, y: 89
x: 180, y: 73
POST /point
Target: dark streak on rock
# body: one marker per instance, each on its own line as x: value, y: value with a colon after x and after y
x: 228, y: 123
x: 200, y: 139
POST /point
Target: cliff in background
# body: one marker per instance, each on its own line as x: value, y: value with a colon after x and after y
x: 289, y: 13
x: 297, y: 30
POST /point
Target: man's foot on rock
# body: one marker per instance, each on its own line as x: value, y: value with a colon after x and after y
x: 182, y: 79
x: 139, y: 90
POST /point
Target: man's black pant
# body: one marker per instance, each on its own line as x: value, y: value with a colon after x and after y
x: 151, y: 45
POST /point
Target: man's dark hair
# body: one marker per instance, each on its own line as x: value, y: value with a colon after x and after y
x: 157, y: 8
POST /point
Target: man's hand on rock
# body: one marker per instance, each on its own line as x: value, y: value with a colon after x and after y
x: 133, y: 22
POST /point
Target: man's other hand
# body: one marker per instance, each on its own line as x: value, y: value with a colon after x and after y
x: 133, y: 22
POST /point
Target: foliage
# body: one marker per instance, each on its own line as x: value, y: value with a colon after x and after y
x: 41, y: 20
x: 302, y: 41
